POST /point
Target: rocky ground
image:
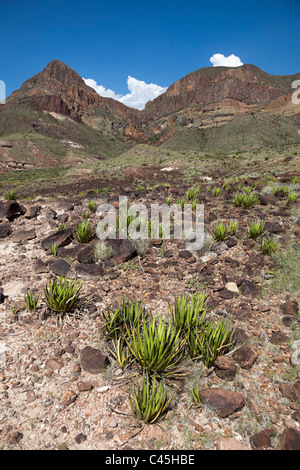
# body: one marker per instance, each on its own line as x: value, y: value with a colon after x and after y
x: 52, y: 395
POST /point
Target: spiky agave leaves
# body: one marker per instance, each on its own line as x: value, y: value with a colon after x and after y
x: 149, y: 401
x: 122, y: 353
x: 129, y: 313
x: 210, y: 340
x: 156, y: 347
x: 63, y: 296
x: 188, y: 311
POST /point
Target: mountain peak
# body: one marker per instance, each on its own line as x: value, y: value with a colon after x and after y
x: 55, y: 71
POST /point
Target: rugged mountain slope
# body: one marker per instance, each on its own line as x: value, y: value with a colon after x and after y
x: 213, y: 97
x: 56, y: 119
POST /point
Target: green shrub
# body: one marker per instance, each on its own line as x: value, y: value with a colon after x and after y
x: 192, y: 193
x: 11, y: 195
x: 216, y: 191
x: 156, y: 348
x: 256, y: 229
x: 64, y: 295
x: 233, y: 227
x: 122, y: 353
x: 148, y: 401
x: 129, y: 314
x: 246, y: 201
x: 54, y: 249
x: 92, y: 206
x: 31, y: 301
x: 220, y: 231
x: 292, y: 197
x: 84, y: 232
x: 188, y: 312
x: 210, y: 340
x: 268, y: 246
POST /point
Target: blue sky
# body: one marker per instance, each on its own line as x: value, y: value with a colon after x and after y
x: 154, y: 42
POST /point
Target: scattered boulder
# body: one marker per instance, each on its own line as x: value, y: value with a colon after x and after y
x: 289, y: 440
x: 32, y: 212
x: 89, y: 271
x: 5, y: 230
x: 224, y: 402
x: 225, y: 368
x: 229, y: 443
x: 123, y: 250
x: 290, y: 308
x: 61, y: 238
x: 68, y: 397
x: 23, y: 236
x: 39, y: 267
x: 261, y: 440
x: 8, y: 209
x: 60, y: 267
x: 93, y: 360
x: 245, y: 356
x: 248, y: 287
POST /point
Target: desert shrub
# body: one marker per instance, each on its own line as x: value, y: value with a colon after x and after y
x: 220, y: 231
x: 156, y: 347
x: 210, y: 340
x: 84, y: 232
x: 11, y: 195
x: 64, y: 295
x: 31, y: 301
x: 149, y: 401
x: 246, y: 201
x: 256, y: 229
x: 188, y: 311
x: 102, y: 251
x: 128, y: 314
x: 268, y: 245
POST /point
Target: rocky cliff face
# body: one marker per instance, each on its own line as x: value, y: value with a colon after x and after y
x: 212, y: 97
x: 59, y: 89
x: 197, y: 107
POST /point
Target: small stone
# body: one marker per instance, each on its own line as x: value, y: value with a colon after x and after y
x: 54, y: 364
x: 62, y: 447
x: 225, y: 368
x: 68, y: 398
x: 232, y: 287
x: 245, y: 356
x: 80, y: 438
x: 113, y: 423
x: 224, y: 402
x: 229, y: 443
x: 93, y: 360
x: 84, y: 386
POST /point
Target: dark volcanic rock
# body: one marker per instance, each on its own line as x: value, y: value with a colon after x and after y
x: 290, y: 308
x: 261, y: 440
x: 60, y: 267
x: 89, y: 271
x: 23, y: 236
x: 245, y: 356
x: 224, y: 402
x: 290, y: 440
x: 93, y: 360
x: 5, y: 230
x: 8, y: 209
x: 32, y: 212
x: 123, y: 250
x: 61, y: 238
x: 225, y: 368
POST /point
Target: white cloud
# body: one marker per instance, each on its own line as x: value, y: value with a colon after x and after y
x: 139, y: 92
x: 219, y: 60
